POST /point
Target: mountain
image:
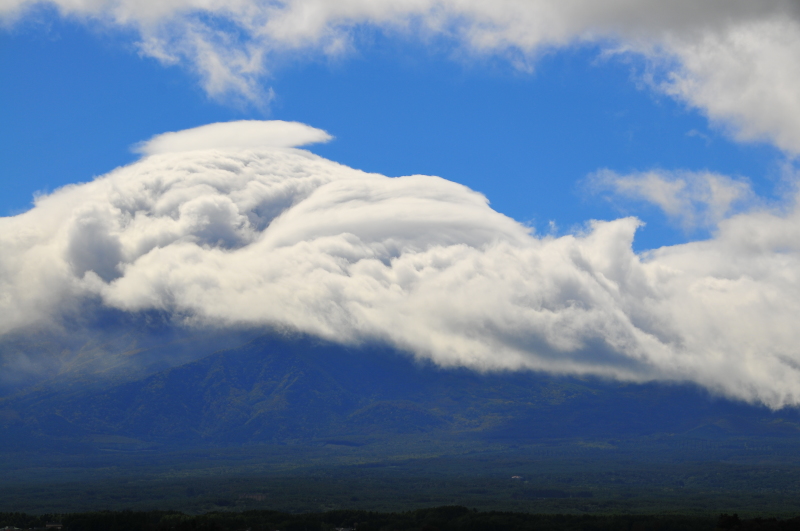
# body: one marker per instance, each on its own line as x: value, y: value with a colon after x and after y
x: 102, y: 347
x: 279, y: 389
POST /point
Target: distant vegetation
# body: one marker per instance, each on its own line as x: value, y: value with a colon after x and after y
x: 299, y: 425
x: 585, y: 483
x: 433, y: 519
x: 452, y: 518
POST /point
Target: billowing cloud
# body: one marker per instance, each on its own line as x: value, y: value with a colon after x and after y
x: 279, y: 237
x: 738, y: 61
x: 692, y: 199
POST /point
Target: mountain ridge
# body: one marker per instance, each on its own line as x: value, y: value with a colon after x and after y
x: 287, y: 389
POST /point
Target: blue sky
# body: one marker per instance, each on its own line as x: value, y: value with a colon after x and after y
x: 578, y: 119
x: 78, y: 96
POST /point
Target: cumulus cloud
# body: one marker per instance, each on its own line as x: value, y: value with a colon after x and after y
x: 738, y: 61
x: 692, y: 199
x: 279, y: 237
x: 742, y: 77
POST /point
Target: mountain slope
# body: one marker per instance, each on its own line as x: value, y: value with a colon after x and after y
x: 279, y: 389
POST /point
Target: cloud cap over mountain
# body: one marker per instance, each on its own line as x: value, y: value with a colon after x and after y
x: 241, y: 134
x: 279, y: 237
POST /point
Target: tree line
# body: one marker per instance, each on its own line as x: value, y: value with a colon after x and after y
x: 452, y: 518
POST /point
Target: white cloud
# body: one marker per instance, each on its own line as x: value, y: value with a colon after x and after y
x: 744, y: 77
x: 242, y: 134
x: 738, y: 61
x: 693, y: 199
x: 276, y: 236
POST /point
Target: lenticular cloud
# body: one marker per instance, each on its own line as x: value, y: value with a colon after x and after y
x: 271, y: 235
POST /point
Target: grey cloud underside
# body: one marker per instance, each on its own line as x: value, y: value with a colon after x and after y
x: 280, y: 237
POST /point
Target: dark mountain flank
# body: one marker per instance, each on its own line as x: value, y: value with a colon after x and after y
x: 296, y: 389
